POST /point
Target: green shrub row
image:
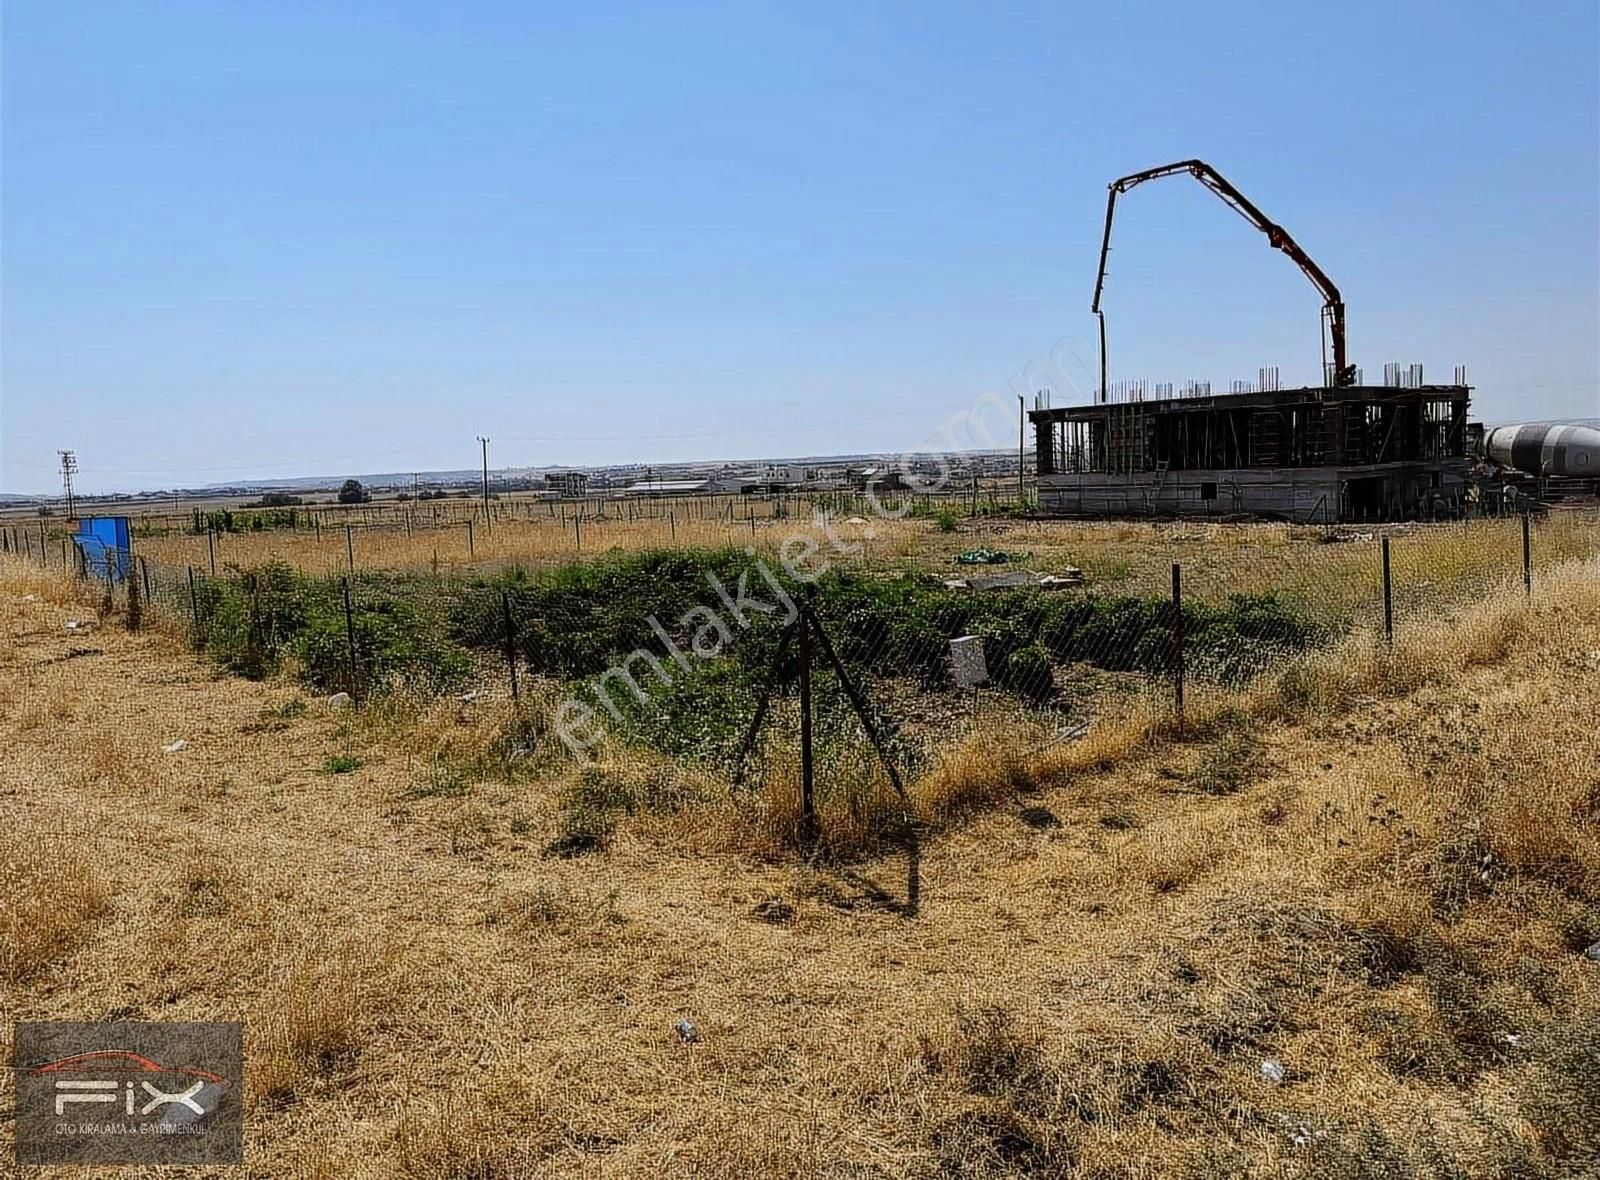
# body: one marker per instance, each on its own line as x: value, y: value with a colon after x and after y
x: 575, y: 622
x: 229, y: 520
x: 251, y: 621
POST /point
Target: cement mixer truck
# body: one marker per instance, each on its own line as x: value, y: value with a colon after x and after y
x: 1567, y: 451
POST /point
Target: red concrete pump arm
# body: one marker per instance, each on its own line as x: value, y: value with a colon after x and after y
x: 1332, y: 305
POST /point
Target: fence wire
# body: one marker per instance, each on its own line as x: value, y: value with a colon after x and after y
x: 671, y: 648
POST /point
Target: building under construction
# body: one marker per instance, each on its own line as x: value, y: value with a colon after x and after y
x: 1335, y: 453
x: 1343, y: 450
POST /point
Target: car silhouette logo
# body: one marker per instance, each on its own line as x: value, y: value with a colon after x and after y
x: 194, y: 1094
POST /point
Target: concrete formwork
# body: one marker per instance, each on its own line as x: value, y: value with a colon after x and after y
x: 1317, y: 454
x: 1307, y: 495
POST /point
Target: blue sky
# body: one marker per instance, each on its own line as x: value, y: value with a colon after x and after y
x: 256, y: 240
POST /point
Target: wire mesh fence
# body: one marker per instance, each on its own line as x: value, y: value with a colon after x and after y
x: 916, y: 654
x: 452, y: 535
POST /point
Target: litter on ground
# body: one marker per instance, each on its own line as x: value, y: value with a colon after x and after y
x: 982, y: 555
x: 1018, y: 579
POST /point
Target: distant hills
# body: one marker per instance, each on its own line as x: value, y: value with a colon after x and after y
x: 472, y: 477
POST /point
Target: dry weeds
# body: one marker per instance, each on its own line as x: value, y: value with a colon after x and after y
x: 1391, y: 903
x: 1131, y: 557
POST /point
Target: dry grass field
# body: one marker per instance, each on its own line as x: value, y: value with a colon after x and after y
x: 1127, y: 556
x: 1334, y: 929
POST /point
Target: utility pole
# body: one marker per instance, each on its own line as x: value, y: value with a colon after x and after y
x: 485, y: 443
x: 69, y: 467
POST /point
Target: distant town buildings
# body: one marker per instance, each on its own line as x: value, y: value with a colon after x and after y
x: 567, y: 484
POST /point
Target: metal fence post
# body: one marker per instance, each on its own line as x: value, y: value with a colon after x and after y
x: 350, y: 547
x: 808, y: 802
x: 194, y: 603
x: 1388, y: 595
x: 469, y: 537
x: 350, y: 639
x: 1177, y: 642
x: 1527, y: 559
x: 511, y: 642
x: 211, y: 549
x: 144, y: 570
x: 135, y: 604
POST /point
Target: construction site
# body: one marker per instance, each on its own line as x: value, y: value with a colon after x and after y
x: 1318, y: 454
x: 1344, y: 450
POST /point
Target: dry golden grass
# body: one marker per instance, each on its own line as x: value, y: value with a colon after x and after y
x: 323, y: 997
x: 1390, y: 903
x: 51, y: 894
x: 1430, y: 561
x: 989, y: 764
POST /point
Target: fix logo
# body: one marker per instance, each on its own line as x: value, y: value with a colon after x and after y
x: 103, y: 1089
x: 129, y: 1092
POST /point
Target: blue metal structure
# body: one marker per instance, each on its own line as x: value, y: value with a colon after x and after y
x: 106, y: 543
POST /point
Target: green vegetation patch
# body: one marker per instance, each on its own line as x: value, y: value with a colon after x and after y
x: 253, y: 621
x: 655, y: 642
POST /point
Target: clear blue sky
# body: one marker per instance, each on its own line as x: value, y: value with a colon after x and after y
x: 255, y: 240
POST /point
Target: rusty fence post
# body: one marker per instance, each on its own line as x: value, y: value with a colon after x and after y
x: 1177, y: 642
x: 194, y: 607
x: 1388, y: 595
x: 135, y: 602
x: 1527, y: 558
x: 350, y: 640
x: 511, y: 643
x: 808, y: 800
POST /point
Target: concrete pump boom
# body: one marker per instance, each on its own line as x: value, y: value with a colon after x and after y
x: 1332, y: 305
